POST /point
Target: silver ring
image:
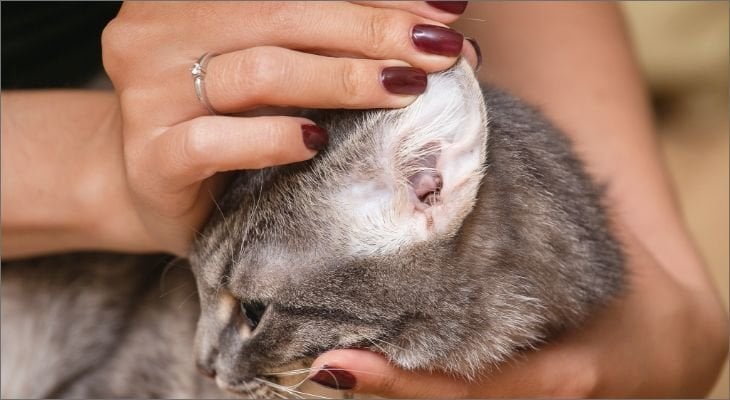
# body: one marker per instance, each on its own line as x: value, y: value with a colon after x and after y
x: 198, y: 71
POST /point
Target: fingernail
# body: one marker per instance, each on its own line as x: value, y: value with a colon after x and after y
x: 478, y: 51
x: 437, y: 40
x: 451, y: 7
x: 314, y: 137
x: 334, y: 378
x: 404, y: 80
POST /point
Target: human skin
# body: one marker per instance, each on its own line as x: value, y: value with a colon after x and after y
x: 667, y: 335
x: 284, y: 54
x: 171, y: 150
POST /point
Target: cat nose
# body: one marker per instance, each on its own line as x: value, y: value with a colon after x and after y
x: 205, y: 370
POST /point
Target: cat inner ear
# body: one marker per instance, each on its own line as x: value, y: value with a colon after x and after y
x: 437, y: 149
x: 425, y: 171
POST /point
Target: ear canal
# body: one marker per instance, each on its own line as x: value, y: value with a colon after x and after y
x: 426, y: 187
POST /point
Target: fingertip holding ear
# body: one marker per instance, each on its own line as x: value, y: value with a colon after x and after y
x: 472, y: 53
x: 314, y: 137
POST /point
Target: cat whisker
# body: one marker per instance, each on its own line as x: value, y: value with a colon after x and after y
x: 308, y: 370
x: 290, y: 389
x: 172, y: 263
x: 250, y: 392
x: 225, y: 220
x: 382, y: 350
x: 286, y: 389
x: 292, y: 372
x: 185, y: 300
x: 371, y: 338
x: 174, y: 289
x: 388, y: 343
x: 246, y: 229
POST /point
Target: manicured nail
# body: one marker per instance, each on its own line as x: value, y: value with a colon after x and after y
x: 437, y: 40
x: 451, y: 7
x: 314, y: 137
x: 476, y: 50
x: 334, y: 378
x: 404, y: 80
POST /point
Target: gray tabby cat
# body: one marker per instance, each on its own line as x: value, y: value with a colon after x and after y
x: 447, y: 235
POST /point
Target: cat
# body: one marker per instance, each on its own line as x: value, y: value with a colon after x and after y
x: 448, y: 236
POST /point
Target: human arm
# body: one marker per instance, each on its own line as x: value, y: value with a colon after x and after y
x: 62, y: 175
x: 667, y: 336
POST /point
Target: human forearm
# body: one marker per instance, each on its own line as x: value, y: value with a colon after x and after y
x: 62, y: 175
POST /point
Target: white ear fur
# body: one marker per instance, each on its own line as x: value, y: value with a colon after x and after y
x: 439, y: 140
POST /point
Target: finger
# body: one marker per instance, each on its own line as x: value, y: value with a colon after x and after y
x: 192, y: 151
x: 276, y: 76
x: 366, y: 372
x: 472, y: 53
x: 444, y: 12
x: 350, y: 29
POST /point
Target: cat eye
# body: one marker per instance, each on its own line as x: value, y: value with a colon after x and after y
x: 253, y: 311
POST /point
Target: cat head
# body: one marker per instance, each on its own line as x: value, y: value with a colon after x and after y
x: 353, y: 249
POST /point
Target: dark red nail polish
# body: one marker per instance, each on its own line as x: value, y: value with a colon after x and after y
x: 476, y: 50
x: 334, y: 378
x: 451, y: 7
x: 437, y: 40
x: 314, y: 137
x: 404, y: 80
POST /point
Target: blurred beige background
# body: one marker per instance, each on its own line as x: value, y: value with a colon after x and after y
x: 683, y: 49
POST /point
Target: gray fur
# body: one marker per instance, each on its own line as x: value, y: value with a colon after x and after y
x: 531, y: 256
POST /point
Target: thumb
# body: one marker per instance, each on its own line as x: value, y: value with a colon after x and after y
x: 363, y: 371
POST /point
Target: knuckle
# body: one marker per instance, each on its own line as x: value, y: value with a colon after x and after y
x: 285, y: 16
x: 354, y: 83
x: 196, y: 145
x: 378, y: 32
x: 256, y: 73
x: 124, y: 42
x: 111, y: 46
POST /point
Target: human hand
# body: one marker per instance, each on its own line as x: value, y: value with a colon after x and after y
x: 323, y: 55
x: 659, y: 340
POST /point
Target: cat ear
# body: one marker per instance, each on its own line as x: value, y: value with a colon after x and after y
x: 437, y: 149
x: 431, y: 157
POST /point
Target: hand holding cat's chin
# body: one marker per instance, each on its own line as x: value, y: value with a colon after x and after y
x: 658, y: 341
